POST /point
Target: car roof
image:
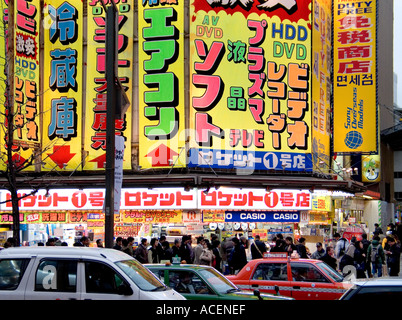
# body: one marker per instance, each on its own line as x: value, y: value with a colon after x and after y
x: 378, y: 282
x: 82, y: 252
x: 174, y: 265
x: 283, y: 260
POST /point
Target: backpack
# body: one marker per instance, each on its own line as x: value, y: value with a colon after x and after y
x: 374, y: 253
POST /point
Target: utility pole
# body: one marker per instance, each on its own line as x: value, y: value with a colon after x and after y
x: 10, y: 124
x: 111, y: 96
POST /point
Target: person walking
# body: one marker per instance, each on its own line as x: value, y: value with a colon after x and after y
x: 130, y: 243
x: 99, y: 243
x: 176, y: 248
x: 290, y: 246
x: 83, y: 242
x: 340, y: 248
x: 167, y: 253
x: 237, y: 258
x: 207, y: 256
x: 359, y: 258
x: 366, y: 244
x: 118, y: 243
x: 393, y: 257
x: 198, y: 249
x: 184, y: 251
x: 153, y: 252
x: 257, y: 248
x: 141, y: 253
x: 301, y: 248
x: 329, y: 257
x: 217, y: 253
x: 348, y: 258
x: 376, y: 256
x: 320, y: 252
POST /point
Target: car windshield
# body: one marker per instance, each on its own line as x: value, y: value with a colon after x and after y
x: 217, y: 281
x: 141, y: 276
x: 330, y: 272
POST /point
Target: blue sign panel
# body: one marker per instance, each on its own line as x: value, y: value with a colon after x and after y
x: 256, y: 160
x: 262, y: 216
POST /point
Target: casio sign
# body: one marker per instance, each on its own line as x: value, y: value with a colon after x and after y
x: 252, y: 216
x: 286, y: 216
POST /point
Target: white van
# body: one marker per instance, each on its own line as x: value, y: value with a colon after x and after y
x: 76, y: 273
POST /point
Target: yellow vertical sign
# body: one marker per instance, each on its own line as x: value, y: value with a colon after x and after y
x: 3, y: 82
x: 250, y: 69
x: 95, y: 113
x: 321, y: 84
x: 161, y: 83
x: 26, y: 135
x: 355, y: 78
x: 62, y: 98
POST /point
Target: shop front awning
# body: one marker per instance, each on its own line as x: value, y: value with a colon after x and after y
x: 201, y: 181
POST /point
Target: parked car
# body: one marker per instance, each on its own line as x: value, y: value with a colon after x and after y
x: 301, y: 279
x: 197, y: 282
x: 58, y: 273
x: 388, y: 289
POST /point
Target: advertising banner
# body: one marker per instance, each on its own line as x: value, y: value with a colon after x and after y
x: 46, y: 217
x: 262, y: 216
x: 3, y: 81
x: 151, y: 216
x: 161, y: 81
x: 95, y: 113
x: 371, y: 168
x: 250, y: 68
x: 321, y: 85
x: 321, y: 203
x: 255, y: 199
x: 213, y: 216
x: 62, y: 99
x: 93, y: 199
x: 27, y: 130
x: 355, y: 76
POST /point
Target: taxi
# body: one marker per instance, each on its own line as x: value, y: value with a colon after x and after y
x: 199, y: 282
x: 301, y: 279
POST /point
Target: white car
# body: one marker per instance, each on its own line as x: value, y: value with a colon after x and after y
x: 76, y: 273
x: 388, y: 288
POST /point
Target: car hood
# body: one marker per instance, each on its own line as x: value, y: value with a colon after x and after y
x: 250, y: 295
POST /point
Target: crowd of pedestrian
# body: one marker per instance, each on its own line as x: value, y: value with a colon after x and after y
x: 375, y: 258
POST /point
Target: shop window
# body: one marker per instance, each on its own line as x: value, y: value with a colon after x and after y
x: 11, y: 273
x: 271, y: 272
x: 57, y: 276
x: 305, y: 272
x: 187, y: 282
x: 100, y: 278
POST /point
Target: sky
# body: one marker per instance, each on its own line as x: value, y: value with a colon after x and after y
x: 398, y: 48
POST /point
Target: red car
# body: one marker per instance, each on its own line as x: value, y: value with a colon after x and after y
x: 301, y: 279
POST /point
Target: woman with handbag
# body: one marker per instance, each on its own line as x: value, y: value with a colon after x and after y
x: 207, y: 256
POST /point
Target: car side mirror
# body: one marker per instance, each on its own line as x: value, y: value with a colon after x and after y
x: 125, y: 290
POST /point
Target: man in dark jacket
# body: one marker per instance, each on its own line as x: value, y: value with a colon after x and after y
x: 367, y: 261
x: 258, y: 248
x: 237, y: 258
x: 393, y: 257
x: 184, y: 251
x: 301, y: 248
x: 141, y: 253
x: 329, y: 258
